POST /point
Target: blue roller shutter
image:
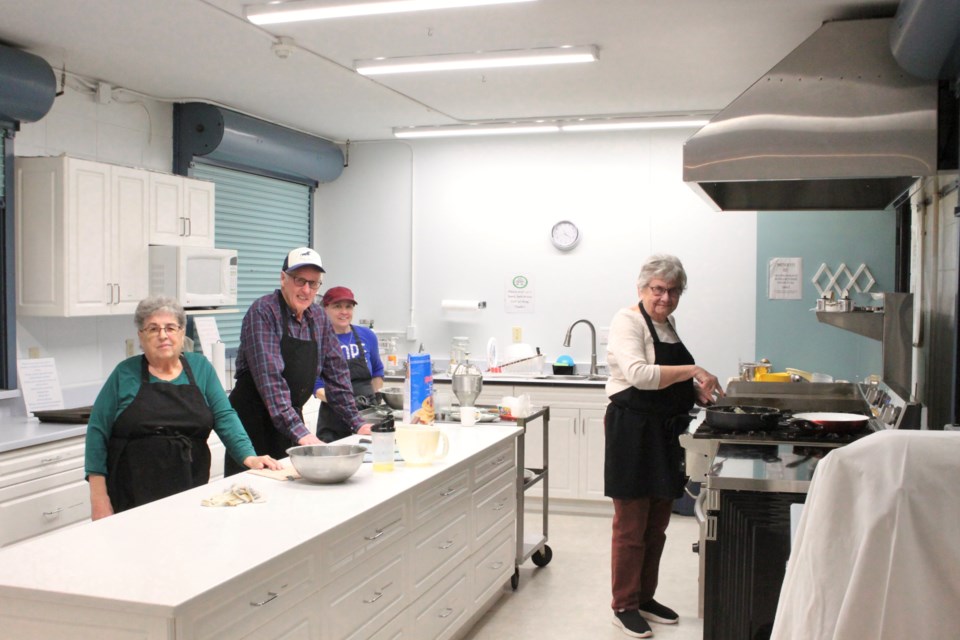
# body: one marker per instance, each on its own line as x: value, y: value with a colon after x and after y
x: 262, y: 218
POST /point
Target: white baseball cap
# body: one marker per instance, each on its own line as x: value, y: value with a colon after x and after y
x: 302, y: 257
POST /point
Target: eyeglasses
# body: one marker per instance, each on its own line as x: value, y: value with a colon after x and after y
x: 153, y: 330
x: 300, y: 282
x: 673, y: 292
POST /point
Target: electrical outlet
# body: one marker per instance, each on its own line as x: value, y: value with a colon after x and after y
x: 411, y: 333
x: 603, y: 335
x: 517, y: 334
x: 130, y: 347
x: 33, y: 352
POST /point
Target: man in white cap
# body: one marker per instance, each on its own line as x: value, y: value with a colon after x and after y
x: 286, y: 343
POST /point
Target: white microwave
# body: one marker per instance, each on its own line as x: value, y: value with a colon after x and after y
x: 196, y: 276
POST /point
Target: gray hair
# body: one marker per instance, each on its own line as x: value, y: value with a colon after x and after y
x: 664, y: 267
x: 157, y: 304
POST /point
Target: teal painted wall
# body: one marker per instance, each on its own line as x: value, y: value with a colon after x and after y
x: 788, y: 332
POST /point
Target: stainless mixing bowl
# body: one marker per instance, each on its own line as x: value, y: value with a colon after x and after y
x: 393, y: 397
x: 326, y: 463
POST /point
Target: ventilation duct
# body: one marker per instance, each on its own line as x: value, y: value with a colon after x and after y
x: 836, y: 125
x: 27, y: 87
x: 236, y: 141
x: 925, y: 38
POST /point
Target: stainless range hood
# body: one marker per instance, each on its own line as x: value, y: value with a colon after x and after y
x: 836, y: 125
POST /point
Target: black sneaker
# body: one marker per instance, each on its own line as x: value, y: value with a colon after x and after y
x: 656, y: 612
x: 632, y: 624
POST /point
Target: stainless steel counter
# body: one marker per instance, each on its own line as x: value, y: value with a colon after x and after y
x: 783, y: 468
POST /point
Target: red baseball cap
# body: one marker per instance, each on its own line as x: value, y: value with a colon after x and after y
x: 338, y: 294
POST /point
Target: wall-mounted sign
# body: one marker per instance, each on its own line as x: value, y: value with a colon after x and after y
x: 784, y: 279
x: 518, y: 297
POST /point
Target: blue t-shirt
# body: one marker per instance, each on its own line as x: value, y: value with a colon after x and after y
x: 349, y: 350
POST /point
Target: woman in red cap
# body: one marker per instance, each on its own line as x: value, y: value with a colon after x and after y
x: 360, y: 348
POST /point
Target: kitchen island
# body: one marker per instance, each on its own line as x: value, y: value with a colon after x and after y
x: 421, y: 548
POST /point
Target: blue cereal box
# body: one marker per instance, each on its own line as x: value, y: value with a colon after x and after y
x: 418, y: 390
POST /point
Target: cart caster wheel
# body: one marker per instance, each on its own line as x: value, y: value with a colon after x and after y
x: 542, y: 558
x: 515, y: 579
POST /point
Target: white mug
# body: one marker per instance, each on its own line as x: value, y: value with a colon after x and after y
x: 468, y: 416
x: 417, y: 443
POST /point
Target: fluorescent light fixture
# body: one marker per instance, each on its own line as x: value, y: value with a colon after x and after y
x: 490, y: 129
x: 302, y: 10
x: 480, y: 60
x: 626, y: 124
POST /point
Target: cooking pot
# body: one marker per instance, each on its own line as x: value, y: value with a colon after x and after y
x: 742, y: 418
x: 831, y: 422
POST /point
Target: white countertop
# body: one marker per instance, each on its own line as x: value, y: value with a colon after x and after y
x: 155, y: 558
x: 17, y: 432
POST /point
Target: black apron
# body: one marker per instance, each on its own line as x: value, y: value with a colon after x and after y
x: 330, y: 426
x: 300, y: 374
x: 643, y: 457
x: 158, y: 446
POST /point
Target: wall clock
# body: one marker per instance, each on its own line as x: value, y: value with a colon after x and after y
x: 565, y: 235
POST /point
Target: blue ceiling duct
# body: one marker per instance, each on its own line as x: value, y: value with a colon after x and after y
x: 236, y: 141
x: 27, y: 87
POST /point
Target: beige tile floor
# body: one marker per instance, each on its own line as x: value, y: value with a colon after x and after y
x: 570, y: 597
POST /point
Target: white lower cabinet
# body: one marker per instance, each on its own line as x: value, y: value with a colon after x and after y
x: 42, y: 489
x: 440, y: 612
x: 373, y: 592
x: 576, y: 442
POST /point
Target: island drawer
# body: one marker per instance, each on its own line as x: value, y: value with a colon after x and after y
x: 494, y: 564
x: 493, y: 464
x: 439, y: 495
x: 250, y: 601
x: 440, y: 545
x: 440, y: 612
x: 354, y: 540
x: 493, y: 505
x: 358, y: 603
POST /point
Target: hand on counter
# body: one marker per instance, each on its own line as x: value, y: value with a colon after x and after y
x: 260, y: 462
x: 310, y: 439
x: 364, y: 430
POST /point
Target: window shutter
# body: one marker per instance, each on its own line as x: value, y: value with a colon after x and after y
x: 262, y: 218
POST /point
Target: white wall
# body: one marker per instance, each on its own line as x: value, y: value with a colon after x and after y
x: 481, y: 211
x: 138, y: 134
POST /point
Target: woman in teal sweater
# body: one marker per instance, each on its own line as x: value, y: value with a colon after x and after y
x: 147, y: 435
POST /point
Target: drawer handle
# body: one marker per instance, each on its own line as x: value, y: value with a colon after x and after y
x: 273, y: 596
x: 380, y: 531
x: 496, y: 565
x: 499, y: 506
x: 53, y: 514
x: 448, y: 492
x: 51, y: 459
x: 446, y: 545
x: 498, y: 461
x: 445, y: 613
x: 377, y: 594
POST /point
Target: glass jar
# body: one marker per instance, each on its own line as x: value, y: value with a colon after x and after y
x: 459, y: 347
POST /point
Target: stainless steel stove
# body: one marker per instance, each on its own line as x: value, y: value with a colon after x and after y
x: 749, y: 481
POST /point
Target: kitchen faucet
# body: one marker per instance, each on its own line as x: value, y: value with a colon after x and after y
x: 593, y: 343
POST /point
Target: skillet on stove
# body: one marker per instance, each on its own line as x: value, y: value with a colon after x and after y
x: 742, y: 418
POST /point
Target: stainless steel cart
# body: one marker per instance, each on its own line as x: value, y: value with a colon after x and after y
x: 532, y: 545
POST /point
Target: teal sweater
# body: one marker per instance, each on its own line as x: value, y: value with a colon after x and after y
x: 121, y: 388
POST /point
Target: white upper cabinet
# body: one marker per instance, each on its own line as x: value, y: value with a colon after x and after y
x: 81, y: 237
x: 181, y: 211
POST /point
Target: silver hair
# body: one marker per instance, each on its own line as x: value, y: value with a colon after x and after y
x: 664, y: 267
x: 158, y: 304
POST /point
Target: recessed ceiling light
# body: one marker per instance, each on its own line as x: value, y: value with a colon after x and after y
x: 479, y: 60
x: 302, y: 10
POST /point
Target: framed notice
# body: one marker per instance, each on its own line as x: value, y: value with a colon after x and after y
x: 40, y: 384
x: 784, y: 279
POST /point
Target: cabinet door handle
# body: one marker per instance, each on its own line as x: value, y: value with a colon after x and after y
x: 448, y: 492
x: 53, y: 514
x: 446, y: 545
x: 51, y: 459
x: 496, y: 565
x: 273, y: 596
x: 498, y: 461
x: 189, y: 226
x: 377, y: 594
x: 110, y: 286
x: 183, y: 226
x: 445, y: 613
x: 118, y: 293
x: 499, y: 506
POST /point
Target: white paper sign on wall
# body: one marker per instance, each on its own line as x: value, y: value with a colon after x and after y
x: 519, y: 296
x: 40, y: 384
x: 784, y: 279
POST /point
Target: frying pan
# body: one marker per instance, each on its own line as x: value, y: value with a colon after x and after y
x: 831, y: 422
x: 742, y: 418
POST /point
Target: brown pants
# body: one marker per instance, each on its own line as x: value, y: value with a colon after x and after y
x: 639, y: 533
